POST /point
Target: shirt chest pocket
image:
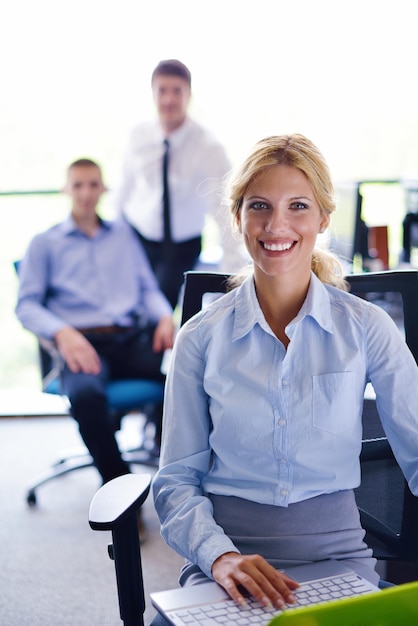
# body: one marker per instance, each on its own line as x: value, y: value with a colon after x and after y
x: 333, y: 402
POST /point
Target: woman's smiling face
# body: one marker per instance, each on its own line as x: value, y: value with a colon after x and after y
x: 280, y: 220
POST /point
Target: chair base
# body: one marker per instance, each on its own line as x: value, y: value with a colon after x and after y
x: 122, y: 395
x: 74, y: 459
x: 62, y: 466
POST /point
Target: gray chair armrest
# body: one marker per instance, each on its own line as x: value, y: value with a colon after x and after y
x: 117, y: 500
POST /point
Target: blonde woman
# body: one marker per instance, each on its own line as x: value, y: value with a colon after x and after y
x: 262, y: 420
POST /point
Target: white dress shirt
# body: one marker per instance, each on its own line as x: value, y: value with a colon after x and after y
x: 245, y: 417
x: 198, y: 165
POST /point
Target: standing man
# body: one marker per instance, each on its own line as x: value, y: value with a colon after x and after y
x: 86, y: 285
x: 172, y: 178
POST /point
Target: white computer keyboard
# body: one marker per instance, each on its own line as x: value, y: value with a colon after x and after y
x: 227, y: 613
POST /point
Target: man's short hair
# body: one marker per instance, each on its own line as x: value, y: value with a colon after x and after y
x: 83, y: 163
x: 172, y: 67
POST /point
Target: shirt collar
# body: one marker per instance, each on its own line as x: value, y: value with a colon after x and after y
x: 317, y: 305
x: 177, y: 137
x: 248, y: 312
x: 69, y: 227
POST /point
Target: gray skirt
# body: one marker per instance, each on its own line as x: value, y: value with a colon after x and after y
x: 325, y: 527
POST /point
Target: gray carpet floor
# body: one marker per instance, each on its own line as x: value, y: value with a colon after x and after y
x: 54, y: 570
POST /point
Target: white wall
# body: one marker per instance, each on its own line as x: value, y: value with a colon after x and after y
x: 75, y: 78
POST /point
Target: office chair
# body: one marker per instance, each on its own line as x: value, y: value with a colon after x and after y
x: 390, y: 515
x: 123, y: 397
x: 396, y: 291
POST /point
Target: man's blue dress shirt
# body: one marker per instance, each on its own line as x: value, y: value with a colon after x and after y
x: 69, y: 278
x: 244, y: 417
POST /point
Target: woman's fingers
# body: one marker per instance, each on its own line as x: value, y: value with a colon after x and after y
x: 278, y: 587
x: 251, y: 572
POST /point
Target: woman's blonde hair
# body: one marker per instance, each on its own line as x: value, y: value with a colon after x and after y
x: 293, y: 151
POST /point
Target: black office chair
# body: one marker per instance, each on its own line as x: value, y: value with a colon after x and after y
x: 396, y: 291
x: 392, y: 535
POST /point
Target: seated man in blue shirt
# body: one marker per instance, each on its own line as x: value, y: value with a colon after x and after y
x: 87, y: 285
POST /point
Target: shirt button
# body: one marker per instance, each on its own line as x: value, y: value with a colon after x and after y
x: 283, y: 492
x: 285, y: 382
x: 282, y: 422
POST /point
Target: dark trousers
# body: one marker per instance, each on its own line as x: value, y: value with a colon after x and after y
x: 123, y: 355
x: 170, y: 261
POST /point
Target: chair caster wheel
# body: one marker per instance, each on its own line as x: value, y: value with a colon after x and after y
x: 31, y: 498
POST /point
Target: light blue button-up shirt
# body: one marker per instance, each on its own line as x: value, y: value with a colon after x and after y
x: 69, y: 278
x: 244, y: 417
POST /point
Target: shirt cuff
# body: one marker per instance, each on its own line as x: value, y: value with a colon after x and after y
x: 212, y: 549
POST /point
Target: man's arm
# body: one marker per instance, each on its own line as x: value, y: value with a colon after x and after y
x: 33, y: 287
x: 155, y: 305
x: 76, y: 351
x: 126, y: 182
x: 163, y: 335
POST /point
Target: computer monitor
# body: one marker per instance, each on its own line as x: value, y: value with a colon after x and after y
x: 365, y: 204
x: 343, y: 224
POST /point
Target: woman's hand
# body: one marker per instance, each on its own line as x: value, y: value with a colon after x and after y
x: 266, y: 584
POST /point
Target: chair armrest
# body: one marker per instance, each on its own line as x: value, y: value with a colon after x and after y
x: 117, y: 500
x: 50, y: 361
x: 114, y: 507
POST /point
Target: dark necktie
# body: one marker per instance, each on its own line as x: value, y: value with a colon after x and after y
x: 166, y: 194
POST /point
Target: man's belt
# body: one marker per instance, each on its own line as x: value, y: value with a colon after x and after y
x: 105, y: 330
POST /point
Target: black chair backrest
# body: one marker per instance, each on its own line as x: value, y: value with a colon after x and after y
x: 389, y: 511
x: 402, y: 282
x: 196, y: 286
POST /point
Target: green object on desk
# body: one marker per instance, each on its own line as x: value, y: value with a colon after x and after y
x: 390, y: 607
